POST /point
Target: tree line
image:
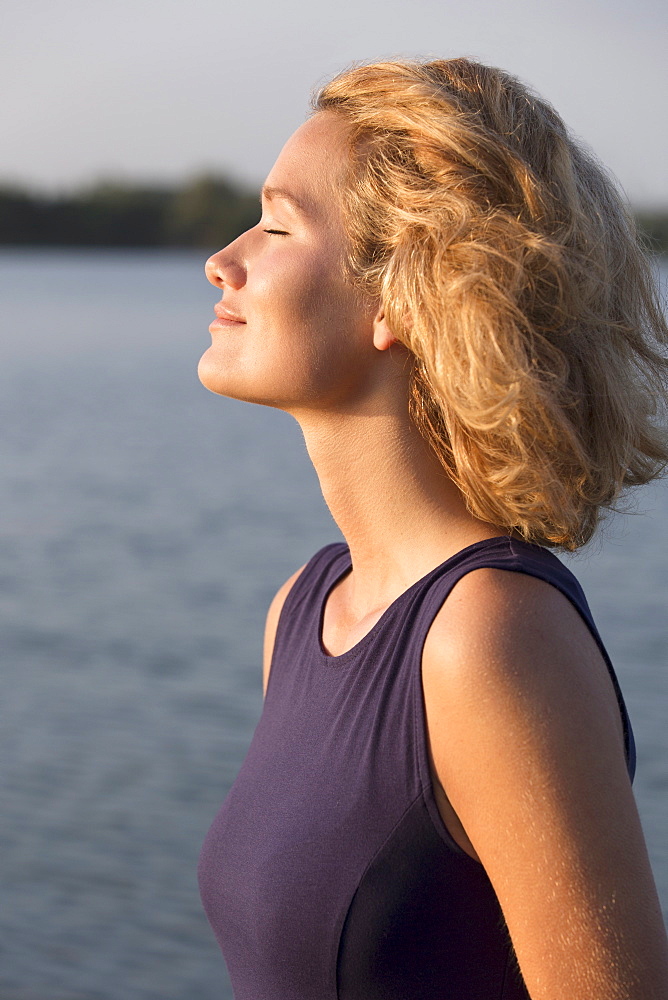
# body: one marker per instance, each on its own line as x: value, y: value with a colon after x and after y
x: 206, y: 212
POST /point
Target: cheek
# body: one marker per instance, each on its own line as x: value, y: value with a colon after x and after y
x: 288, y: 287
x: 313, y: 299
x: 302, y: 315
x: 307, y: 339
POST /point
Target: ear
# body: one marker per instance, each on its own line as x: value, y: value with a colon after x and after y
x: 383, y: 338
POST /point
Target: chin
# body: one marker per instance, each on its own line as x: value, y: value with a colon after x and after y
x: 217, y: 378
x: 209, y: 374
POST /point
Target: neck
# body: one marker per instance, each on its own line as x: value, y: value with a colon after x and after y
x: 397, y: 508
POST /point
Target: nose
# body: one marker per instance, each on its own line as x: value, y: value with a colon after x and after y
x: 225, y: 269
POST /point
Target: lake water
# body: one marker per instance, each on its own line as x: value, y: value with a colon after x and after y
x: 145, y: 526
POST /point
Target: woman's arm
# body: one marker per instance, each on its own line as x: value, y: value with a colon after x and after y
x: 271, y: 625
x: 526, y: 739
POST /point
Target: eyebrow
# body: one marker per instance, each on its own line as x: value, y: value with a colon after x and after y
x: 269, y: 193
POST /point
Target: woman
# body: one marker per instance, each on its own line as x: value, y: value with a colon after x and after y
x: 446, y: 293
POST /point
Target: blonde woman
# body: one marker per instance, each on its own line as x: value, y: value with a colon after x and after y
x: 447, y: 294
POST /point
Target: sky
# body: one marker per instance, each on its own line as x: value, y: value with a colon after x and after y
x: 161, y: 91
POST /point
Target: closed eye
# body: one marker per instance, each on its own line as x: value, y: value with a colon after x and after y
x: 276, y: 232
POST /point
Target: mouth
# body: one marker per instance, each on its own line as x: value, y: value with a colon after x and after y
x: 225, y: 317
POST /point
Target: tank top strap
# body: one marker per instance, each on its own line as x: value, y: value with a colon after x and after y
x: 299, y: 622
x: 516, y: 556
x: 318, y: 577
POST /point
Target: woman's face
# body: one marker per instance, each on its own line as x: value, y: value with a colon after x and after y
x: 291, y: 331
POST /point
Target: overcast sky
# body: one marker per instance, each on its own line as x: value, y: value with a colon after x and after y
x: 149, y: 90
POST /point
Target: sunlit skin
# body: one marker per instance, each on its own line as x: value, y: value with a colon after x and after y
x: 549, y: 812
x: 315, y: 347
x: 305, y: 343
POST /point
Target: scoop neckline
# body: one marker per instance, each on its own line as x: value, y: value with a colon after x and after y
x: 349, y: 654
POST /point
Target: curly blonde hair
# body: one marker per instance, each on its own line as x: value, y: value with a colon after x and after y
x: 510, y: 267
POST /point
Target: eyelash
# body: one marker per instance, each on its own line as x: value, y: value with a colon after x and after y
x: 276, y: 232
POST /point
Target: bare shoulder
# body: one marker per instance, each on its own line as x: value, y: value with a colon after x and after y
x: 527, y: 742
x: 501, y: 629
x: 508, y: 652
x: 273, y: 614
x: 499, y: 602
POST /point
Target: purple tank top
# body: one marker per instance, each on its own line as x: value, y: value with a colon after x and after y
x: 328, y: 873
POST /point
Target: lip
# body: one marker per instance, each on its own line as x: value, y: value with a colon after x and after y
x: 225, y: 317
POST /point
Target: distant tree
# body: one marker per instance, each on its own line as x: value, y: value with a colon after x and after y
x: 209, y: 212
x: 206, y: 212
x: 653, y: 228
x: 117, y: 214
x: 108, y: 214
x: 22, y: 218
